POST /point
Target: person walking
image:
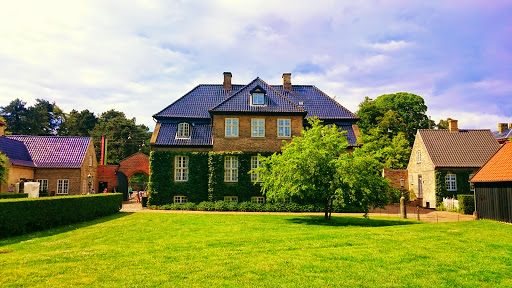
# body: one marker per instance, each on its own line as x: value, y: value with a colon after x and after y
x: 92, y: 191
x: 130, y: 191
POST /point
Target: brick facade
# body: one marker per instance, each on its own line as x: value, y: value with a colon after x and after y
x: 244, y: 142
x: 137, y: 163
x: 395, y: 176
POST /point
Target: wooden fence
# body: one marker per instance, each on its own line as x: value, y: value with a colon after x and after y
x: 494, y: 203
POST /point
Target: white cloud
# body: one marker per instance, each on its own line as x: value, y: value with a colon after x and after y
x: 390, y: 46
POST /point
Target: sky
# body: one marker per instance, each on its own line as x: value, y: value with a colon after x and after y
x: 140, y: 56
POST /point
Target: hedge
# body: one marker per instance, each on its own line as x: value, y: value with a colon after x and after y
x: 21, y: 216
x: 466, y: 203
x: 13, y: 195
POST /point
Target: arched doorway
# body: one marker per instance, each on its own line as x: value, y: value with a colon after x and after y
x: 139, y: 181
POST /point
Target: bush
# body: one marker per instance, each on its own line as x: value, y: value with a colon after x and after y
x: 293, y: 207
x: 221, y: 205
x: 246, y: 207
x: 21, y: 216
x: 206, y: 206
x: 189, y: 206
x: 13, y: 195
x: 233, y: 206
x: 466, y: 203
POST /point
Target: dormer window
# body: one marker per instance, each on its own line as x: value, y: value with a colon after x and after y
x: 257, y: 96
x: 183, y: 130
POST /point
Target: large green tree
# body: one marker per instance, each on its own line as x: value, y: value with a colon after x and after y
x: 400, y: 112
x: 43, y: 118
x: 124, y: 136
x: 15, y: 114
x: 315, y: 165
x: 391, y: 151
x: 78, y: 123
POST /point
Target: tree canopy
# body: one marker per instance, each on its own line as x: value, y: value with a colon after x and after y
x: 3, y: 168
x: 43, y: 118
x: 316, y: 165
x: 78, y: 123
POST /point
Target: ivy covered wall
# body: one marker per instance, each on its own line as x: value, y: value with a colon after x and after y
x: 462, y: 181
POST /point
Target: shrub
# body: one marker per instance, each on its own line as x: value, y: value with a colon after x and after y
x: 206, y: 206
x: 268, y: 207
x: 233, y: 206
x: 308, y: 208
x: 221, y: 205
x: 246, y: 207
x: 13, y: 195
x: 189, y: 206
x: 21, y: 216
x: 466, y: 203
x: 293, y: 207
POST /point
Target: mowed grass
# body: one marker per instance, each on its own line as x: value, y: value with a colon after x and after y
x: 198, y: 250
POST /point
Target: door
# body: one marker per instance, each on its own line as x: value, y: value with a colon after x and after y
x: 420, y: 187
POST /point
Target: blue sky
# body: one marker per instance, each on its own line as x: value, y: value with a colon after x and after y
x: 140, y: 56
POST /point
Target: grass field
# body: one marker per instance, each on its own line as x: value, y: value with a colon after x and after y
x: 198, y: 250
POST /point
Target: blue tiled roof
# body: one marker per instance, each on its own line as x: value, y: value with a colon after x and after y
x: 507, y: 133
x: 201, y: 134
x: 351, y: 136
x: 274, y: 101
x: 16, y: 151
x: 55, y: 151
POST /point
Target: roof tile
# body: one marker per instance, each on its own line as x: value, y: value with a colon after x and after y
x: 16, y: 151
x: 498, y: 168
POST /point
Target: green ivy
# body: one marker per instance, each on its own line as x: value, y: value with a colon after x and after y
x: 462, y: 184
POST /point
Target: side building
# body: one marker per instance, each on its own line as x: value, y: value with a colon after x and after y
x: 205, y: 143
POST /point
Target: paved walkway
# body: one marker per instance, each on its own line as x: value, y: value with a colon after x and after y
x: 426, y: 215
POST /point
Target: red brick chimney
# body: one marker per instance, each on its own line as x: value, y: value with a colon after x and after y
x: 502, y: 127
x: 452, y: 125
x: 287, y: 81
x: 227, y: 81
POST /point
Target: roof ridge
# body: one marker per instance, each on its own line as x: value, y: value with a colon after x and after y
x: 335, y: 102
x: 177, y: 100
x: 284, y: 97
x: 225, y: 100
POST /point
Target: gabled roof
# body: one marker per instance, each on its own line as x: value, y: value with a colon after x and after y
x: 201, y: 135
x: 16, y: 151
x: 462, y: 148
x: 55, y: 151
x: 498, y: 168
x: 507, y: 133
x: 274, y: 101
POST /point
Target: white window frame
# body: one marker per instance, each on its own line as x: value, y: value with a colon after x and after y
x: 418, y: 156
x: 63, y: 186
x: 451, y: 182
x: 257, y: 99
x: 257, y: 127
x: 284, y: 128
x: 43, y: 184
x: 255, y: 164
x: 181, y: 168
x: 258, y: 199
x: 231, y: 169
x: 231, y: 127
x: 180, y: 199
x: 471, y: 184
x: 231, y: 199
x: 183, y: 131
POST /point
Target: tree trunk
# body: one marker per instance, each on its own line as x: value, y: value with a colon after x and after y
x: 330, y: 209
x: 327, y: 209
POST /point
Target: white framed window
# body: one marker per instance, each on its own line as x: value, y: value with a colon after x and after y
x: 231, y: 127
x: 257, y: 127
x: 451, y: 182
x: 181, y: 168
x: 183, y: 130
x: 62, y: 186
x: 180, y: 199
x: 257, y: 99
x: 418, y: 156
x: 43, y: 184
x: 231, y: 169
x: 90, y: 160
x: 258, y: 199
x: 255, y: 164
x: 471, y: 185
x: 284, y: 128
x: 231, y: 199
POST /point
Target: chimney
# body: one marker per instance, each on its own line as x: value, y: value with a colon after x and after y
x: 452, y: 125
x: 227, y: 81
x: 510, y: 126
x: 502, y: 127
x: 287, y: 81
x: 2, y: 128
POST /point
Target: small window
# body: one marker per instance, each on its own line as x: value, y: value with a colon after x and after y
x: 258, y: 127
x: 451, y: 182
x: 258, y: 199
x: 231, y: 199
x: 43, y: 184
x: 183, y: 130
x: 418, y: 156
x: 90, y: 160
x: 257, y: 99
x: 231, y: 127
x: 471, y: 185
x: 231, y: 169
x: 402, y: 182
x: 62, y: 186
x: 255, y: 164
x: 284, y: 128
x: 181, y: 168
x: 179, y: 199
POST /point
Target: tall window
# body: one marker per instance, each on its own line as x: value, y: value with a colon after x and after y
x: 451, y: 182
x: 231, y: 127
x: 258, y: 127
x: 255, y: 164
x: 183, y: 130
x: 43, y: 184
x: 418, y: 156
x: 231, y: 169
x: 180, y: 199
x: 62, y: 186
x: 257, y: 99
x: 284, y: 128
x: 181, y: 168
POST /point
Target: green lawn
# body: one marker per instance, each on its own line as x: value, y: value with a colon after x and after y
x: 198, y: 250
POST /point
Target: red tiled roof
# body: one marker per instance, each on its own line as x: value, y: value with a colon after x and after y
x: 498, y: 168
x: 464, y: 148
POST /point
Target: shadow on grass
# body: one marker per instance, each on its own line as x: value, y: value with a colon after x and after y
x: 61, y: 229
x: 350, y: 221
